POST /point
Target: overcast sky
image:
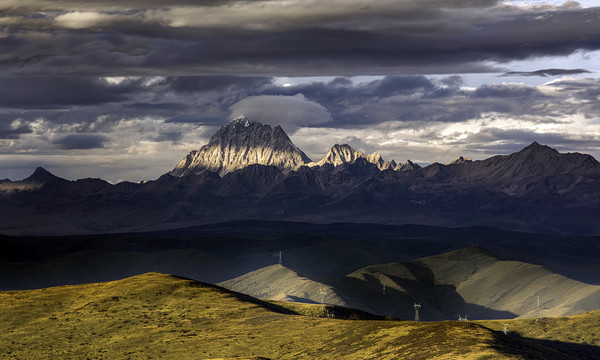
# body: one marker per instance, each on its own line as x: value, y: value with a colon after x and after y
x: 123, y: 90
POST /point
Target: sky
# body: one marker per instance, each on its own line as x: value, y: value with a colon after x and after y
x: 123, y: 90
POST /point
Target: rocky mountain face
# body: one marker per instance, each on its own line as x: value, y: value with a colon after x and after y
x: 344, y: 154
x: 253, y: 171
x: 241, y: 143
x: 460, y: 160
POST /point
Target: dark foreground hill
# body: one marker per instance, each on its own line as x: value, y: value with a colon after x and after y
x: 155, y: 316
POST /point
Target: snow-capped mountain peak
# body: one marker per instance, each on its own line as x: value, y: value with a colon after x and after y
x: 240, y: 143
x: 345, y: 154
x: 241, y: 119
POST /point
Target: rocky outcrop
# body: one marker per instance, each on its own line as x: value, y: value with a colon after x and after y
x: 460, y: 160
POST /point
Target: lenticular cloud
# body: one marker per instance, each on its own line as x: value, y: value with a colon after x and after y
x: 290, y: 112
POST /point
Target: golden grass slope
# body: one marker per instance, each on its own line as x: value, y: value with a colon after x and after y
x: 277, y: 282
x: 154, y: 316
x: 576, y: 335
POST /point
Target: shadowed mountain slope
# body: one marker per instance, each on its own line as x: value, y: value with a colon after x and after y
x: 276, y: 282
x: 218, y: 252
x: 473, y: 282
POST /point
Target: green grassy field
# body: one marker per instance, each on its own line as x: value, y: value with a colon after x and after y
x: 155, y: 316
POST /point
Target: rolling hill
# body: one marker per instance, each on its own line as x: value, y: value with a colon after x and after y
x: 473, y: 282
x: 466, y: 282
x: 276, y: 282
x: 160, y: 316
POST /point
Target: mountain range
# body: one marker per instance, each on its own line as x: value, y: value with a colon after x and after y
x: 253, y: 171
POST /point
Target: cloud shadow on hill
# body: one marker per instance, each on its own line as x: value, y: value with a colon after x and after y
x: 514, y: 344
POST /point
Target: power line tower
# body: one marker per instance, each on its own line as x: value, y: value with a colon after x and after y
x: 417, y: 307
x: 505, y: 330
x: 383, y: 289
x: 538, y: 302
x: 323, y: 293
x: 280, y: 261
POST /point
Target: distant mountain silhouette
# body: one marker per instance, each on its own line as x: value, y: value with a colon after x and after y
x: 253, y: 171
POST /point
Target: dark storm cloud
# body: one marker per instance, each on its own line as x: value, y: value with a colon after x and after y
x: 82, y: 141
x: 409, y: 99
x: 6, y: 132
x: 216, y: 83
x: 340, y: 94
x: 417, y: 99
x: 207, y: 101
x: 547, y: 72
x: 205, y: 119
x: 40, y: 92
x: 505, y: 91
x: 294, y: 38
x: 173, y: 136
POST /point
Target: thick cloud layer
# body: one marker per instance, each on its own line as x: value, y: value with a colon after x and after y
x: 82, y: 141
x: 295, y: 37
x: 158, y: 120
x: 124, y: 89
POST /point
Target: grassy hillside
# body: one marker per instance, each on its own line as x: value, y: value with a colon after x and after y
x: 576, y: 335
x: 472, y: 282
x: 155, y: 316
x: 277, y: 282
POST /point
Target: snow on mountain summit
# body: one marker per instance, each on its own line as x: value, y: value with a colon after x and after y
x: 240, y: 143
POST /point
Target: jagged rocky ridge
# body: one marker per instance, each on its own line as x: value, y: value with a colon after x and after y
x: 257, y: 173
x: 241, y: 143
x: 344, y: 154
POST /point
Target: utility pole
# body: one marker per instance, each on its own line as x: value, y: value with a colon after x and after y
x: 280, y: 261
x: 538, y: 302
x: 323, y: 293
x: 417, y: 307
